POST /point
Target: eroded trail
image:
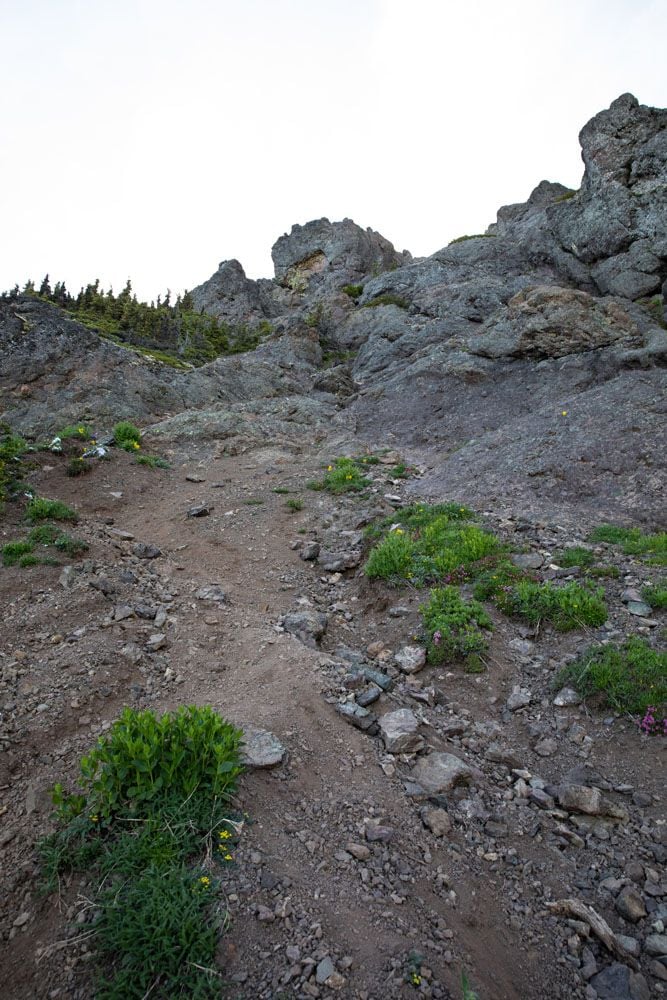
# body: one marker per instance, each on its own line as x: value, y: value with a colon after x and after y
x: 349, y: 879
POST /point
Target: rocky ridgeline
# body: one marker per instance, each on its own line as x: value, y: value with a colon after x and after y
x: 525, y: 361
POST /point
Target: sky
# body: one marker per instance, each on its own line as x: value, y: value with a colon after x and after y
x: 152, y: 139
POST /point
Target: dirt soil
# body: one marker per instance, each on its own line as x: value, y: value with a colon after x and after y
x: 336, y: 859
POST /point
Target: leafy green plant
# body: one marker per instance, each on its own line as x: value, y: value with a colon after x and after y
x: 343, y: 476
x: 294, y: 504
x: 152, y: 461
x: 634, y: 541
x: 354, y: 291
x: 41, y: 509
x: 453, y: 625
x: 575, y: 556
x: 567, y: 607
x: 78, y: 466
x: 154, y: 792
x: 388, y: 299
x: 12, y: 449
x: 81, y: 432
x: 392, y: 559
x: 127, y: 436
x: 655, y: 594
x: 13, y: 553
x: 629, y: 678
x: 467, y: 992
x: 280, y: 489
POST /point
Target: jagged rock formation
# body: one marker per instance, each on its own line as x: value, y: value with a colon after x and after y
x: 524, y: 362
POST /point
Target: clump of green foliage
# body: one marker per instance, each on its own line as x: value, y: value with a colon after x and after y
x: 628, y: 678
x: 171, y: 332
x: 453, y: 626
x: 634, y: 541
x: 281, y: 489
x: 655, y: 594
x: 152, y: 461
x: 612, y: 572
x: 41, y: 509
x: 473, y: 236
x: 565, y: 196
x: 388, y: 299
x: 575, y: 556
x: 343, y: 476
x: 12, y: 450
x: 127, y: 435
x: 431, y: 544
x: 566, y: 607
x: 78, y: 466
x: 294, y: 504
x: 22, y: 553
x: 154, y: 792
x: 354, y: 291
x: 13, y: 553
x: 79, y: 432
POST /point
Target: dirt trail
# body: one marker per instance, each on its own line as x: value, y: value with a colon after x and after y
x: 334, y: 861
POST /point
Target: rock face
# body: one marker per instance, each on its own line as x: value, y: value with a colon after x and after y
x: 501, y: 360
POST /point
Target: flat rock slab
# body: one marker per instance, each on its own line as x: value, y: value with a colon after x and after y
x: 440, y: 772
x: 211, y: 592
x: 411, y: 659
x: 399, y: 731
x: 261, y: 748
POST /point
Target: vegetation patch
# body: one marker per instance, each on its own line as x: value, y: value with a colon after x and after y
x: 354, y: 291
x: 12, y: 449
x: 343, y: 476
x: 153, y: 800
x: 389, y: 299
x: 474, y: 236
x: 634, y: 541
x: 631, y: 677
x: 294, y: 504
x: 430, y: 544
x: 127, y: 436
x: 14, y: 553
x: 78, y: 466
x: 453, y: 626
x: 41, y: 509
x: 566, y: 607
x: 575, y: 556
x: 22, y: 553
x: 152, y: 461
x: 655, y: 594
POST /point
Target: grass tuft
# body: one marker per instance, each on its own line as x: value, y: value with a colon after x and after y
x: 628, y: 678
x: 41, y: 509
x: 453, y: 626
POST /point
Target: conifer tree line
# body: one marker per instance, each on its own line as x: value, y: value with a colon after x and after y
x: 174, y: 329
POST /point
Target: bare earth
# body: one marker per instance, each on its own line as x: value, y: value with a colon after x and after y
x: 308, y: 882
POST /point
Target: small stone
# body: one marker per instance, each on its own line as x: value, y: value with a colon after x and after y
x: 325, y: 968
x: 440, y: 772
x: 156, y: 641
x: 656, y: 944
x: 399, y: 730
x: 376, y: 833
x: 639, y: 608
x: 581, y: 799
x: 265, y: 915
x: 436, y: 820
x: 21, y: 920
x: 630, y: 904
x: 120, y: 535
x: 190, y: 478
x: 142, y: 551
x: 67, y: 577
x: 411, y: 659
x: 199, y: 510
x: 631, y: 945
x: 527, y: 560
x: 357, y: 716
x: 368, y: 696
x: 358, y: 851
x: 519, y: 698
x: 310, y: 551
x: 546, y: 747
x: 211, y: 592
x: 567, y: 696
x: 261, y: 748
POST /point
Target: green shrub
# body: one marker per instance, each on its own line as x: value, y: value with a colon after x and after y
x: 453, y: 626
x: 604, y: 571
x: 12, y: 449
x: 500, y: 576
x: 566, y: 607
x: 154, y: 793
x: 80, y: 431
x: 127, y: 435
x: 78, y: 466
x: 629, y: 678
x: 354, y: 291
x: 343, y: 476
x: 575, y: 556
x: 13, y: 552
x: 294, y: 504
x: 152, y: 461
x: 392, y: 558
x: 614, y: 534
x: 634, y: 541
x: 41, y: 509
x: 655, y: 594
x: 387, y: 299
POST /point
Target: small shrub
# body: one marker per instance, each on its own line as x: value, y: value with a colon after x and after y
x: 565, y: 196
x: 30, y: 559
x: 127, y: 436
x: 13, y: 552
x: 44, y: 534
x: 294, y: 504
x: 392, y: 558
x: 78, y: 431
x: 12, y: 449
x: 280, y: 489
x: 343, y: 476
x: 453, y: 626
x: 614, y: 534
x: 70, y: 546
x: 655, y: 594
x: 575, y: 556
x: 354, y: 291
x: 634, y: 541
x: 629, y: 678
x: 387, y: 299
x: 567, y: 607
x: 41, y: 509
x: 613, y: 572
x: 152, y: 461
x: 78, y: 466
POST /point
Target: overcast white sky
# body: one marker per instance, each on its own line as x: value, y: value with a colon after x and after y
x: 155, y: 138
